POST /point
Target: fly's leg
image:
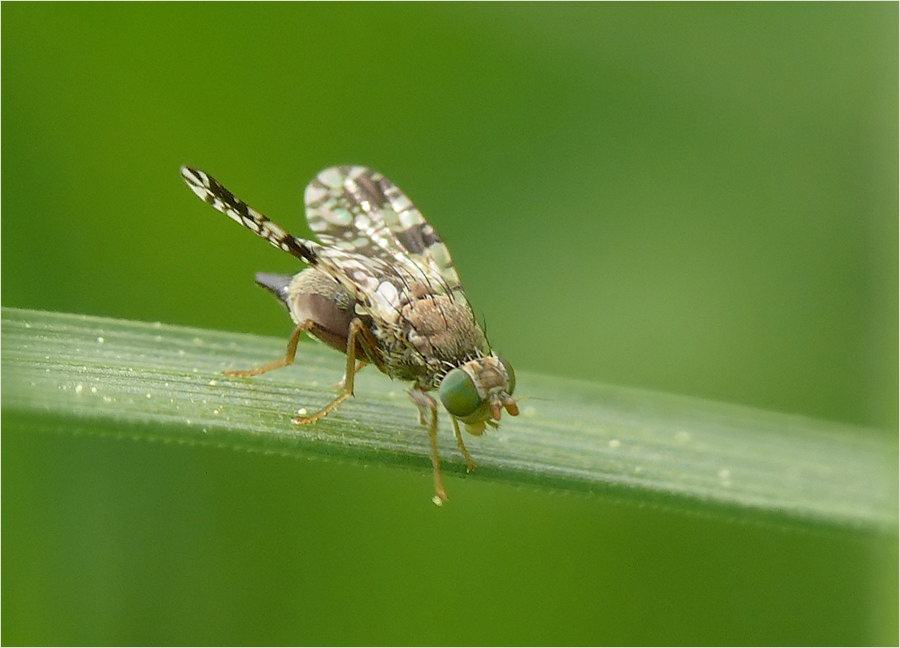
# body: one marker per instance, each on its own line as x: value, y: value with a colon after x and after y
x: 357, y: 328
x: 288, y: 359
x: 470, y: 463
x: 428, y: 414
x: 343, y: 382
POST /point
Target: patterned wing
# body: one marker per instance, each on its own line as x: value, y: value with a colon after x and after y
x: 359, y: 211
x: 211, y: 191
x: 375, y: 282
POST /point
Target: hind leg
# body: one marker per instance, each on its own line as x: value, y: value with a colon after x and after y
x: 288, y: 359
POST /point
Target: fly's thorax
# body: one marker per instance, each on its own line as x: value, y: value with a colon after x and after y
x: 476, y: 392
x: 442, y: 329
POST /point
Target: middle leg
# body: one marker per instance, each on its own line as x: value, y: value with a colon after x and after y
x: 356, y: 329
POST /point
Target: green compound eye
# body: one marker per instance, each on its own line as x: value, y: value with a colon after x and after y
x: 510, y: 373
x: 458, y: 393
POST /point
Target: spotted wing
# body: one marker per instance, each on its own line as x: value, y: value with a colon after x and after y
x: 211, y: 191
x: 376, y: 283
x: 359, y: 211
x: 371, y: 281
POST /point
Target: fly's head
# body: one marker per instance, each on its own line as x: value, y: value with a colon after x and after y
x: 477, y: 392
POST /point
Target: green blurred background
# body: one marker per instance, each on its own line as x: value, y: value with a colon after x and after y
x: 699, y: 199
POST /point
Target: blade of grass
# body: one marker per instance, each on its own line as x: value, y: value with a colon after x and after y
x: 73, y: 373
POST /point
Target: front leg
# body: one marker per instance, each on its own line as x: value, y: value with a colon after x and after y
x: 428, y: 414
x: 470, y: 463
